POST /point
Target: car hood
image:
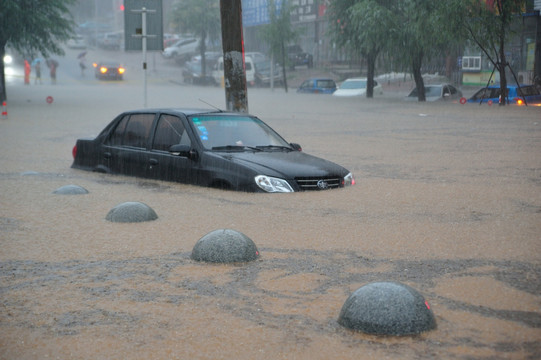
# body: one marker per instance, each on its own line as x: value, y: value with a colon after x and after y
x: 349, y: 92
x: 286, y: 164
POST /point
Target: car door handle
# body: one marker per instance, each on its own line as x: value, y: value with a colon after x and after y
x: 107, y: 155
x: 153, y: 162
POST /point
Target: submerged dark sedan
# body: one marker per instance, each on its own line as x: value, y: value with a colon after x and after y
x: 206, y: 147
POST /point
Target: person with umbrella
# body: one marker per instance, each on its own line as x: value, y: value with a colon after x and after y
x: 52, y: 64
x: 37, y: 66
x: 82, y: 62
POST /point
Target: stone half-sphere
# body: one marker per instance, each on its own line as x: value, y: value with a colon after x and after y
x: 387, y: 308
x: 131, y: 212
x: 71, y: 190
x: 225, y: 246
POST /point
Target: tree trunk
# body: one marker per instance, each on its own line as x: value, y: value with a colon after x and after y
x: 371, y: 64
x: 501, y: 68
x: 418, y: 77
x: 284, y: 64
x: 3, y: 95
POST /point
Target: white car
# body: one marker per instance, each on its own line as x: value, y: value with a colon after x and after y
x: 77, y: 42
x: 182, y: 50
x: 356, y: 87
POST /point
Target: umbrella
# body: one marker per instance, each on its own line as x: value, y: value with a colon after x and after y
x: 52, y: 62
x: 81, y: 55
x: 36, y: 60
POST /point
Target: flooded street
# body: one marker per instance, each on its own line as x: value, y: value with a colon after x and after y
x: 447, y: 200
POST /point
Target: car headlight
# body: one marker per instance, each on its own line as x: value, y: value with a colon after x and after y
x: 272, y: 184
x: 349, y: 180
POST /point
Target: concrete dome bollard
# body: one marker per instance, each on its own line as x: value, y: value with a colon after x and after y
x: 387, y: 308
x: 70, y: 190
x: 225, y: 246
x: 131, y: 212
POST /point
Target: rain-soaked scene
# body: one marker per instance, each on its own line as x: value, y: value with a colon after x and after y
x: 430, y: 250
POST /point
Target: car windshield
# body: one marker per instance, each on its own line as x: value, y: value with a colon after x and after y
x: 236, y: 132
x: 432, y: 91
x: 353, y: 84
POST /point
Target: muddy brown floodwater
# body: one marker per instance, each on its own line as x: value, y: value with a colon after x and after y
x: 447, y: 200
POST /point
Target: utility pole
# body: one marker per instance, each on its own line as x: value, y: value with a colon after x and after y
x: 236, y: 98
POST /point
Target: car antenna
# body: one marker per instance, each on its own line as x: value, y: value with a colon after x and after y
x: 217, y: 108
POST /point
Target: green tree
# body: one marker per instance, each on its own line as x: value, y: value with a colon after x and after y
x: 423, y: 29
x: 278, y: 33
x: 370, y: 20
x: 410, y: 31
x: 198, y: 17
x: 33, y: 27
x: 489, y: 27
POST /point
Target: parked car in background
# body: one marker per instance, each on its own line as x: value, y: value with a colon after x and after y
x: 77, y: 42
x: 169, y: 39
x: 208, y: 148
x: 109, y: 70
x: 192, y: 72
x: 111, y: 41
x: 525, y: 95
x: 317, y: 86
x: 249, y: 65
x: 297, y: 57
x: 263, y: 73
x: 440, y: 92
x: 256, y: 56
x: 182, y: 50
x: 356, y: 87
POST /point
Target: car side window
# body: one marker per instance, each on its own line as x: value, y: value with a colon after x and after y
x: 118, y: 133
x: 169, y: 131
x: 325, y: 84
x: 137, y: 130
x: 446, y: 91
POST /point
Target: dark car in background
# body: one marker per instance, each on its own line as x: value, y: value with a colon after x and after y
x: 192, y: 71
x: 298, y: 57
x: 208, y: 148
x: 317, y: 86
x: 523, y: 95
x: 109, y: 70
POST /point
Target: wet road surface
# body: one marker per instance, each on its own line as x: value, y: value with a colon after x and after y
x: 447, y: 200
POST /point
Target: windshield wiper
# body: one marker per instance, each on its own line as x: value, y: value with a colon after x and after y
x: 272, y: 147
x: 235, y: 148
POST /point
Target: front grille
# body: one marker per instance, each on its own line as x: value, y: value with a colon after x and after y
x: 319, y: 183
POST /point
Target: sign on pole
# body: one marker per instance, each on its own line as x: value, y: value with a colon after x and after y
x: 133, y: 25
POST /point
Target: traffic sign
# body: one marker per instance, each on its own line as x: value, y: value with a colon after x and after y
x: 133, y: 24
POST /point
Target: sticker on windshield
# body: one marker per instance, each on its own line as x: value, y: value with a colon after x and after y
x: 203, y: 130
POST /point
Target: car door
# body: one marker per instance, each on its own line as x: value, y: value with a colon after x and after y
x: 307, y: 86
x: 125, y: 151
x: 162, y: 164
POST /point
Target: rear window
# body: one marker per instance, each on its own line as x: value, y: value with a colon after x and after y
x: 528, y: 91
x: 132, y: 131
x: 325, y: 84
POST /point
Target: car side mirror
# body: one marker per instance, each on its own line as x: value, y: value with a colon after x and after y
x: 184, y: 151
x: 296, y: 146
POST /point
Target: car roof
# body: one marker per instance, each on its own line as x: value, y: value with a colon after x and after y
x: 320, y: 79
x: 497, y: 86
x: 356, y: 79
x: 182, y: 111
